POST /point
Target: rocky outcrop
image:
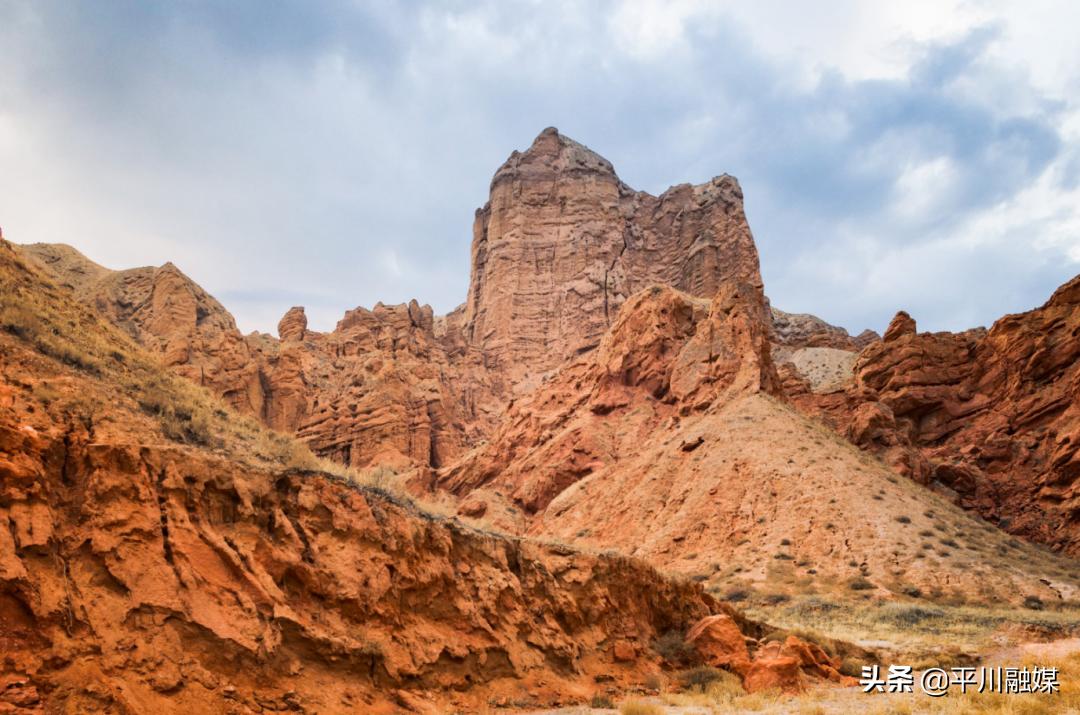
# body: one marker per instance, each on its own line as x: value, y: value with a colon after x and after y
x: 293, y: 325
x: 807, y: 349
x: 902, y: 324
x: 789, y: 665
x: 989, y: 417
x: 379, y: 389
x: 170, y: 315
x: 181, y: 583
x: 677, y: 352
x: 563, y: 243
x: 802, y: 330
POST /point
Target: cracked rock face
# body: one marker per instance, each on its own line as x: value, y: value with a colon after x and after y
x: 562, y: 243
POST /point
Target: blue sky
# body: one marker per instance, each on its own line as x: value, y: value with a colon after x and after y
x: 924, y: 156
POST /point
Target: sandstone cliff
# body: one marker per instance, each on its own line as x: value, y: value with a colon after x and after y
x: 562, y: 243
x: 378, y: 389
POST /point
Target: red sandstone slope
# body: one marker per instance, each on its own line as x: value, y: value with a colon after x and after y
x: 989, y: 416
x: 669, y: 442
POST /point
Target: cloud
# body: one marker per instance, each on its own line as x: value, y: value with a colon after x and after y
x: 923, y: 157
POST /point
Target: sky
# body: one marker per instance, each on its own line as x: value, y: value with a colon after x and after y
x: 920, y: 155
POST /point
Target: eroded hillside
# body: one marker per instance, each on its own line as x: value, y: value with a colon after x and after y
x: 161, y: 554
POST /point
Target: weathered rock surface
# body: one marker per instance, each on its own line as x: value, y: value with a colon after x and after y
x: 901, y: 325
x: 990, y: 417
x: 293, y: 325
x: 379, y: 389
x: 563, y: 243
x: 666, y: 348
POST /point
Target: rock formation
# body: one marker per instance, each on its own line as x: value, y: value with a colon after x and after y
x: 558, y: 248
x: 562, y: 243
x: 169, y: 314
x: 379, y: 389
x: 293, y: 325
x: 990, y: 417
x: 802, y: 330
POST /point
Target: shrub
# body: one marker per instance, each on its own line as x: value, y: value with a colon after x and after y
x: 601, y: 701
x: 637, y: 707
x: 775, y: 599
x: 909, y: 616
x: 698, y: 678
x: 1034, y: 603
x: 736, y: 595
x: 860, y: 584
x: 673, y: 648
x: 904, y: 519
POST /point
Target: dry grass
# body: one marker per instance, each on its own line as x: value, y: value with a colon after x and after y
x: 923, y: 633
x: 1065, y: 701
x: 637, y: 707
x: 721, y: 689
